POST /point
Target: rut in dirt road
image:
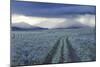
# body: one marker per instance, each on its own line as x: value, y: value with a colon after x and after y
x: 62, y: 52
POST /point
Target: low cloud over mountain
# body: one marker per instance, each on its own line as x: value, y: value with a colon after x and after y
x: 70, y: 21
x: 24, y: 26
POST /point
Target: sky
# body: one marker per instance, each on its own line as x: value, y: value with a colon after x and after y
x: 50, y: 15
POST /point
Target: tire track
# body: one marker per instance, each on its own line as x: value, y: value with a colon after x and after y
x: 71, y: 52
x: 52, y: 53
x: 62, y: 52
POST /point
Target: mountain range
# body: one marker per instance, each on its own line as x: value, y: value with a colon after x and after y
x: 44, y: 26
x: 24, y: 26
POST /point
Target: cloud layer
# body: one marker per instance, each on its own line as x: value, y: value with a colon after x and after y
x: 85, y: 19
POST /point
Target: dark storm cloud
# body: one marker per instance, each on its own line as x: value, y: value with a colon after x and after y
x: 49, y: 10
